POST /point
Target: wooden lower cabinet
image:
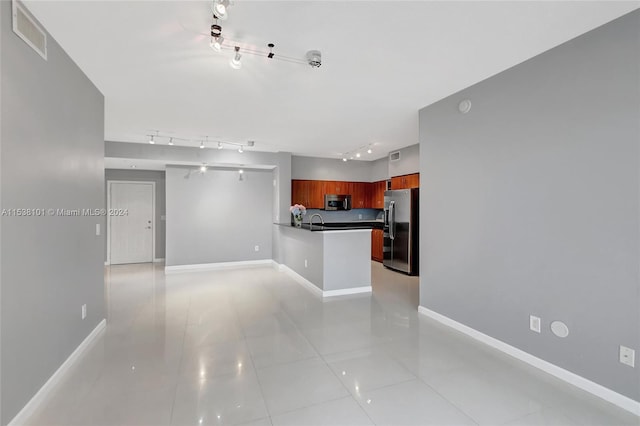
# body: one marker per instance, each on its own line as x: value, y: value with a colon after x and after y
x: 377, y: 241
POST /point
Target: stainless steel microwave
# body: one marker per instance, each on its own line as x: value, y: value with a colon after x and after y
x: 337, y: 202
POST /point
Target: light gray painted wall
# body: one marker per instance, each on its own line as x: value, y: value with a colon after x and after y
x: 51, y: 140
x: 214, y: 217
x: 144, y: 176
x: 532, y: 204
x: 280, y: 162
x: 380, y: 169
x: 408, y: 163
x: 313, y: 168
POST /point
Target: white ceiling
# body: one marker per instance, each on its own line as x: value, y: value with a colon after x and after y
x: 382, y: 62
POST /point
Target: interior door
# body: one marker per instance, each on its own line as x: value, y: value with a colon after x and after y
x: 131, y: 224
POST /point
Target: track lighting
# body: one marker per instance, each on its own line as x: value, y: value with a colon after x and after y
x: 344, y: 159
x: 203, y: 168
x: 235, y: 62
x: 151, y: 141
x: 219, y: 145
x: 216, y: 43
x: 201, y: 144
x: 358, y: 155
x: 170, y: 141
x: 219, y: 9
x: 369, y: 151
x: 240, y: 174
x: 240, y: 150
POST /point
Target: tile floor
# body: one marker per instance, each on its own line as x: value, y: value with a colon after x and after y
x: 251, y: 346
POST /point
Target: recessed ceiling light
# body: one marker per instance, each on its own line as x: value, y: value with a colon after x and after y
x: 369, y: 151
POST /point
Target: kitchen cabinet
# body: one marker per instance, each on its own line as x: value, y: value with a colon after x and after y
x: 364, y: 195
x: 406, y: 181
x: 377, y: 241
x: 300, y: 192
x: 359, y: 195
x: 336, y: 187
x: 377, y: 194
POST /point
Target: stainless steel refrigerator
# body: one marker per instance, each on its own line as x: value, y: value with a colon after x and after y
x: 400, y: 249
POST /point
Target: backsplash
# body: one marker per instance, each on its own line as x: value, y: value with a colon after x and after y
x: 344, y: 215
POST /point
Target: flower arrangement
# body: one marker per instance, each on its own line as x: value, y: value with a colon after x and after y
x: 298, y: 210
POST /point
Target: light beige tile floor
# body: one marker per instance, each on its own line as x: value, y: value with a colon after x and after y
x: 251, y: 346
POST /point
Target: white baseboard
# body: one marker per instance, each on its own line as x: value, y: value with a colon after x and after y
x: 317, y: 290
x: 55, y: 379
x: 214, y: 266
x: 158, y: 260
x: 562, y: 374
x: 346, y: 291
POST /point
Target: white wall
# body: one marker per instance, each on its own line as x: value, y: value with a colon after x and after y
x: 214, y: 217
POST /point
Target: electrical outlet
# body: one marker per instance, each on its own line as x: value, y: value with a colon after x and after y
x: 359, y: 216
x: 534, y: 323
x: 257, y: 248
x: 305, y: 263
x: 84, y: 311
x: 627, y: 356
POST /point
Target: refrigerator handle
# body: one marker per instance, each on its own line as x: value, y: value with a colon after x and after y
x: 392, y: 220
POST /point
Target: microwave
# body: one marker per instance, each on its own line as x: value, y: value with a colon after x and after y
x: 337, y: 202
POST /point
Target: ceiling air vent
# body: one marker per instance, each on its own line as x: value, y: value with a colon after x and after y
x: 394, y: 156
x: 28, y: 29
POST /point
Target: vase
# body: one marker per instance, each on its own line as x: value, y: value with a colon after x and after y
x: 297, y: 220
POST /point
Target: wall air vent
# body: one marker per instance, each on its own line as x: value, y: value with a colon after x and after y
x: 28, y: 29
x: 394, y: 156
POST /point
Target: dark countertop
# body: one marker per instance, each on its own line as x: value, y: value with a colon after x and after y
x: 340, y: 226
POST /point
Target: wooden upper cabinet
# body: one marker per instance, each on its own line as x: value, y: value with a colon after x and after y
x: 316, y: 194
x: 358, y: 195
x: 299, y: 192
x: 406, y: 181
x: 364, y: 195
x: 377, y: 199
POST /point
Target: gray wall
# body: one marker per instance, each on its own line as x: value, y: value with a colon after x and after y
x: 214, y: 217
x: 408, y: 163
x: 313, y: 168
x: 380, y: 169
x: 52, y: 157
x: 144, y: 176
x: 531, y: 205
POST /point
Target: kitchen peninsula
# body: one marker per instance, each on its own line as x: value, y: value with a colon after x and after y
x: 332, y: 260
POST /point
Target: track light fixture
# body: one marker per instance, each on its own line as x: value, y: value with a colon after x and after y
x: 219, y: 9
x: 203, y: 168
x: 356, y: 153
x: 235, y: 62
x: 219, y: 145
x: 240, y: 150
x: 170, y: 141
x: 151, y: 141
x: 203, y: 143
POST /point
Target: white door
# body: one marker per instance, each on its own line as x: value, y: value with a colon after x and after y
x: 131, y: 222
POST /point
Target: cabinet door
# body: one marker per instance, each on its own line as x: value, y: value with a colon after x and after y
x: 299, y: 192
x: 316, y: 194
x: 397, y: 182
x: 358, y: 193
x: 380, y: 188
x: 413, y: 180
x: 376, y: 244
x: 369, y: 195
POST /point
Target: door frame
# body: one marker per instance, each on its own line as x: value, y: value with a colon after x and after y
x: 153, y: 215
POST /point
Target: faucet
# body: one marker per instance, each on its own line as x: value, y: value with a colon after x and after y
x: 311, y: 220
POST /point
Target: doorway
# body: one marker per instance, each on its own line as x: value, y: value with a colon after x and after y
x: 131, y: 222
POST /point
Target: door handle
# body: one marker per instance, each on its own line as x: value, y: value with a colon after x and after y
x: 392, y: 219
